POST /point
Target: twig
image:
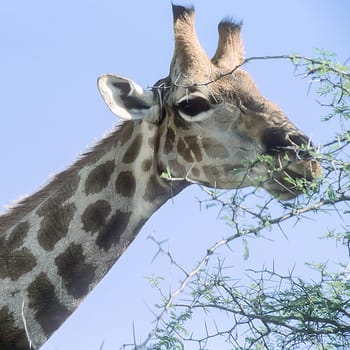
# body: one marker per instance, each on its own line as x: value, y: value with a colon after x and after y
x: 31, y: 344
x: 292, y: 58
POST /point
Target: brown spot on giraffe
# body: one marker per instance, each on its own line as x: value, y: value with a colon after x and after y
x: 11, y: 337
x: 126, y: 184
x: 192, y: 144
x: 185, y: 151
x: 94, y: 220
x: 127, y: 131
x: 133, y: 150
x: 146, y: 165
x: 169, y: 141
x: 14, y: 260
x: 110, y: 233
x: 99, y: 177
x: 95, y: 215
x: 152, y: 141
x: 214, y: 148
x: 76, y: 274
x: 49, y: 312
x: 54, y: 225
x: 155, y: 190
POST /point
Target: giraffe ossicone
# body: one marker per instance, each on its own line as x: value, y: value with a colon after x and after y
x: 199, y: 124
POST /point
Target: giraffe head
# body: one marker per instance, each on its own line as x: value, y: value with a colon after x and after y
x: 213, y: 124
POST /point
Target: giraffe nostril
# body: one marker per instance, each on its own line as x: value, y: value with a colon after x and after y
x: 276, y: 140
x: 301, y: 145
x: 299, y: 139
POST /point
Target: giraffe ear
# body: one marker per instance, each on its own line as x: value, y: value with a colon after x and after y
x: 126, y: 99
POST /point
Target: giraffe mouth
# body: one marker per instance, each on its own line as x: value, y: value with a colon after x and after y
x: 290, y: 178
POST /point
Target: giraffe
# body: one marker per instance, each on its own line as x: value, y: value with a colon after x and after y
x: 204, y: 123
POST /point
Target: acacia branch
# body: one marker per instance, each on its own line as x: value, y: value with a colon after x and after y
x: 293, y: 58
x: 224, y: 242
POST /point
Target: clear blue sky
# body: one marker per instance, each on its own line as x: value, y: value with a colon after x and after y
x: 51, y: 54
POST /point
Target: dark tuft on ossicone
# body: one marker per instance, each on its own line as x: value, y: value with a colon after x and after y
x: 182, y: 12
x: 231, y: 23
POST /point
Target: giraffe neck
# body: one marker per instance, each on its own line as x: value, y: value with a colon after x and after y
x: 61, y: 241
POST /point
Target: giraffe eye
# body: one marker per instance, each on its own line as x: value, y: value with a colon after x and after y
x: 193, y: 106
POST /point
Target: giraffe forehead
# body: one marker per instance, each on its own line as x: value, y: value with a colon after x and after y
x: 234, y: 86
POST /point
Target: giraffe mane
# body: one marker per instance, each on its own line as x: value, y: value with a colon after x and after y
x: 27, y: 204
